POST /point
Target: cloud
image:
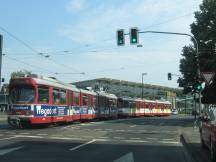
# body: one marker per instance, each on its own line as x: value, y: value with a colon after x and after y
x: 75, y: 6
x: 101, y: 20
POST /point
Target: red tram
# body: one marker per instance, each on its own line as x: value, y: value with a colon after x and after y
x: 41, y: 100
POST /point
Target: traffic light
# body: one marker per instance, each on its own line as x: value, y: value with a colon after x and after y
x: 134, y: 36
x: 120, y: 37
x: 169, y: 76
x: 198, y: 87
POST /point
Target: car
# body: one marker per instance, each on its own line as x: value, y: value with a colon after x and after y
x: 174, y: 111
x: 208, y: 131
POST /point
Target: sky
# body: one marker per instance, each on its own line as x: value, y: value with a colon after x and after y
x: 66, y: 38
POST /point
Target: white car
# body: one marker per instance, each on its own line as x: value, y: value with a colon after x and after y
x: 174, y: 111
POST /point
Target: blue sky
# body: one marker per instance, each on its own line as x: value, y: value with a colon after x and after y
x: 79, y: 36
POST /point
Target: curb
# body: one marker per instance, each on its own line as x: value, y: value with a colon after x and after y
x: 186, y: 150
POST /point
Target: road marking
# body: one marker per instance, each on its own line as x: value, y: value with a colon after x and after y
x: 118, y: 137
x: 65, y: 138
x: 135, y: 141
x: 168, y: 139
x: 135, y: 138
x: 152, y: 138
x: 133, y: 126
x: 23, y: 136
x: 7, y: 138
x: 6, y: 151
x: 84, y: 144
x: 42, y: 134
x: 126, y: 158
x: 169, y: 142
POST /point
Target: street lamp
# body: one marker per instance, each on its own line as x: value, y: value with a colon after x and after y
x: 142, y: 82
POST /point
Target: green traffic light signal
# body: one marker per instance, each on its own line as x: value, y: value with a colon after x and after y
x: 134, y: 36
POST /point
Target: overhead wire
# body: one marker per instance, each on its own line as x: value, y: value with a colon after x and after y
x: 25, y: 63
x: 29, y: 47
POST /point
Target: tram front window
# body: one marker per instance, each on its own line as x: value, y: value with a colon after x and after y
x: 22, y: 95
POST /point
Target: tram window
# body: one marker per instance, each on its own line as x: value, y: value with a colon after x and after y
x: 70, y: 99
x: 95, y: 102
x: 90, y: 101
x: 147, y: 105
x: 62, y: 97
x: 85, y: 100
x: 56, y: 96
x: 76, y: 98
x: 43, y: 94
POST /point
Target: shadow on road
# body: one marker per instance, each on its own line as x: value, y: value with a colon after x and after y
x: 54, y: 151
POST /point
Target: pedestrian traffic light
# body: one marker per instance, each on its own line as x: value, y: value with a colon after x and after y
x: 120, y: 37
x: 169, y: 76
x: 134, y: 36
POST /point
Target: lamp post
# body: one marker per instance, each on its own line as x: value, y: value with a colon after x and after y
x: 142, y: 83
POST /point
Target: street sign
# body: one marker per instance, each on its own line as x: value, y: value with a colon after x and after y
x: 208, y: 76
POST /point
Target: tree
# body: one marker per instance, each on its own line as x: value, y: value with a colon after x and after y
x: 21, y: 73
x: 204, y: 30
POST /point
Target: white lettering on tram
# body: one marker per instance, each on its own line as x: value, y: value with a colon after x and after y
x: 46, y: 111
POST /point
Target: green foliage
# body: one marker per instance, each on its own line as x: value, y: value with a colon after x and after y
x: 20, y: 73
x: 204, y: 30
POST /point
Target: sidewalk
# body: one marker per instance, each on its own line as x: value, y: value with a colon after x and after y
x: 191, y: 139
x: 3, y: 117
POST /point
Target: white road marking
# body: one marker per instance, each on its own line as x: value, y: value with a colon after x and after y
x: 65, y: 138
x: 126, y: 158
x: 7, y: 138
x: 6, y: 151
x: 135, y: 138
x: 23, y: 136
x: 169, y: 142
x: 118, y: 137
x: 84, y: 144
x: 133, y: 126
x: 42, y: 134
x: 152, y: 138
x: 168, y: 139
x: 135, y: 141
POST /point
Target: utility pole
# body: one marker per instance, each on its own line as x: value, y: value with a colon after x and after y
x: 1, y: 46
x: 142, y: 83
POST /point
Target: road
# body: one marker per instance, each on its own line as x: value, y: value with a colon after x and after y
x: 152, y: 139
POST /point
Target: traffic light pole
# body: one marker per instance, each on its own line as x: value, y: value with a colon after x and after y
x: 1, y: 46
x: 197, y: 53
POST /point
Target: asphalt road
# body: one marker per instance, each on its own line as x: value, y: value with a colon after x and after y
x: 151, y: 139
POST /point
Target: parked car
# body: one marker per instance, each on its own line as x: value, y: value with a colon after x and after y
x: 208, y: 132
x: 174, y: 111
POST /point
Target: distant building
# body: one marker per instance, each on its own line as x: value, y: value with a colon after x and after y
x: 132, y: 89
